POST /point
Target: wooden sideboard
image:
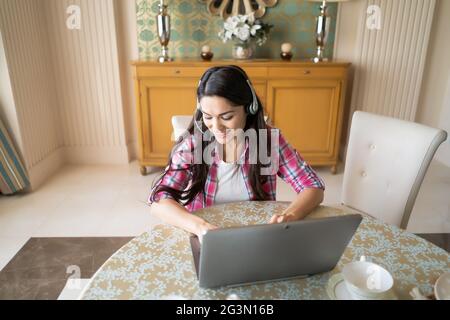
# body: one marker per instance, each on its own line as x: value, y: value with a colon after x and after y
x: 303, y: 99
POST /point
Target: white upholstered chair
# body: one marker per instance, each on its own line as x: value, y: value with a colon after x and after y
x: 385, y: 165
x: 180, y: 124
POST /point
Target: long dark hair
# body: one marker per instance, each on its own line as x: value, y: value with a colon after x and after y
x: 229, y: 82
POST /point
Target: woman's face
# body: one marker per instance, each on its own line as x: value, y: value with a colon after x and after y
x: 219, y: 115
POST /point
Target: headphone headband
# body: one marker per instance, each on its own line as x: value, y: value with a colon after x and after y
x: 254, y: 106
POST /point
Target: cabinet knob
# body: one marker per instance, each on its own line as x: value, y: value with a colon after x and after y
x: 177, y: 71
x: 307, y: 72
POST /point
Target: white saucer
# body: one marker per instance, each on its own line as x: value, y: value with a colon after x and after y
x: 442, y: 287
x: 337, y: 290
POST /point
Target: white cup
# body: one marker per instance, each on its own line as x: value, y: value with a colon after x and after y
x: 366, y: 280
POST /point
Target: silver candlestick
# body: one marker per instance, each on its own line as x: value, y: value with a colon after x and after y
x: 163, y: 25
x: 322, y: 28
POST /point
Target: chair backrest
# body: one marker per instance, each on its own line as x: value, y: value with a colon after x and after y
x: 180, y: 124
x: 385, y: 165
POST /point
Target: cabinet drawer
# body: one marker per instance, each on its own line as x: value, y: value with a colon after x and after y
x: 166, y: 71
x: 190, y: 72
x: 255, y: 72
x: 304, y: 73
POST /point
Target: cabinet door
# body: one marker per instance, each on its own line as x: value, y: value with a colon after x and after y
x: 306, y: 111
x: 160, y: 100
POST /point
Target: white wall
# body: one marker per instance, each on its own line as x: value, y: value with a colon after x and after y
x: 390, y: 60
x: 128, y: 50
x: 31, y: 98
x: 350, y: 15
x: 86, y: 66
x: 434, y: 105
x: 67, y: 95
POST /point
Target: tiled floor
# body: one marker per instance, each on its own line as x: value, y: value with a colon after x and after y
x: 41, y: 268
x: 109, y: 201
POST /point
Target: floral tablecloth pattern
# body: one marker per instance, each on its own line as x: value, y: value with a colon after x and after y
x: 158, y: 264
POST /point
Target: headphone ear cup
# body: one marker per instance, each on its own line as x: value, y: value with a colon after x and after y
x: 252, y: 108
x: 249, y: 109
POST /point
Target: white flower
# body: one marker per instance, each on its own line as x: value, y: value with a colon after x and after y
x: 234, y: 19
x: 243, y: 28
x: 230, y: 24
x: 254, y: 29
x: 243, y: 34
x: 242, y: 18
x: 225, y: 35
x: 228, y: 35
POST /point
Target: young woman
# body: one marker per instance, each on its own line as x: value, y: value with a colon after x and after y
x: 227, y: 104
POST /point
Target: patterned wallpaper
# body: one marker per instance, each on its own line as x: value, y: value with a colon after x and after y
x: 192, y: 27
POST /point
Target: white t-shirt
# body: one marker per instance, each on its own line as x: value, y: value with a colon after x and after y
x: 230, y: 183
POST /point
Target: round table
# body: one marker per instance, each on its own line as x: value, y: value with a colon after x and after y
x: 159, y: 265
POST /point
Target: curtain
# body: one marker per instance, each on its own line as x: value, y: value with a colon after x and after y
x: 13, y: 176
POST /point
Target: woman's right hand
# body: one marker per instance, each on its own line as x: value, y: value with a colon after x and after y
x: 203, y: 228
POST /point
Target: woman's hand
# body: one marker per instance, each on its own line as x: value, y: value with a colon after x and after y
x: 280, y: 218
x: 305, y: 202
x: 171, y: 212
x: 203, y: 228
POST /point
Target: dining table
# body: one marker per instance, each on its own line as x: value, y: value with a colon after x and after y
x: 158, y: 264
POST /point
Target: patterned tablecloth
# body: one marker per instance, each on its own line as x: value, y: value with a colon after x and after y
x: 158, y: 264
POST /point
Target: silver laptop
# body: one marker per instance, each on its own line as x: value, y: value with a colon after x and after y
x: 261, y: 253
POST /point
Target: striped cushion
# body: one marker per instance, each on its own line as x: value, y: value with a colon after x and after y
x: 13, y: 176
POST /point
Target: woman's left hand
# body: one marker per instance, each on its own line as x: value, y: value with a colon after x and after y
x: 305, y: 202
x: 280, y: 218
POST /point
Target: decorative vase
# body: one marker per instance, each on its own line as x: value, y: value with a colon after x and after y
x: 163, y: 28
x: 243, y: 50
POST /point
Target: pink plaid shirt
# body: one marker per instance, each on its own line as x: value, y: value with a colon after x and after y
x: 292, y: 169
